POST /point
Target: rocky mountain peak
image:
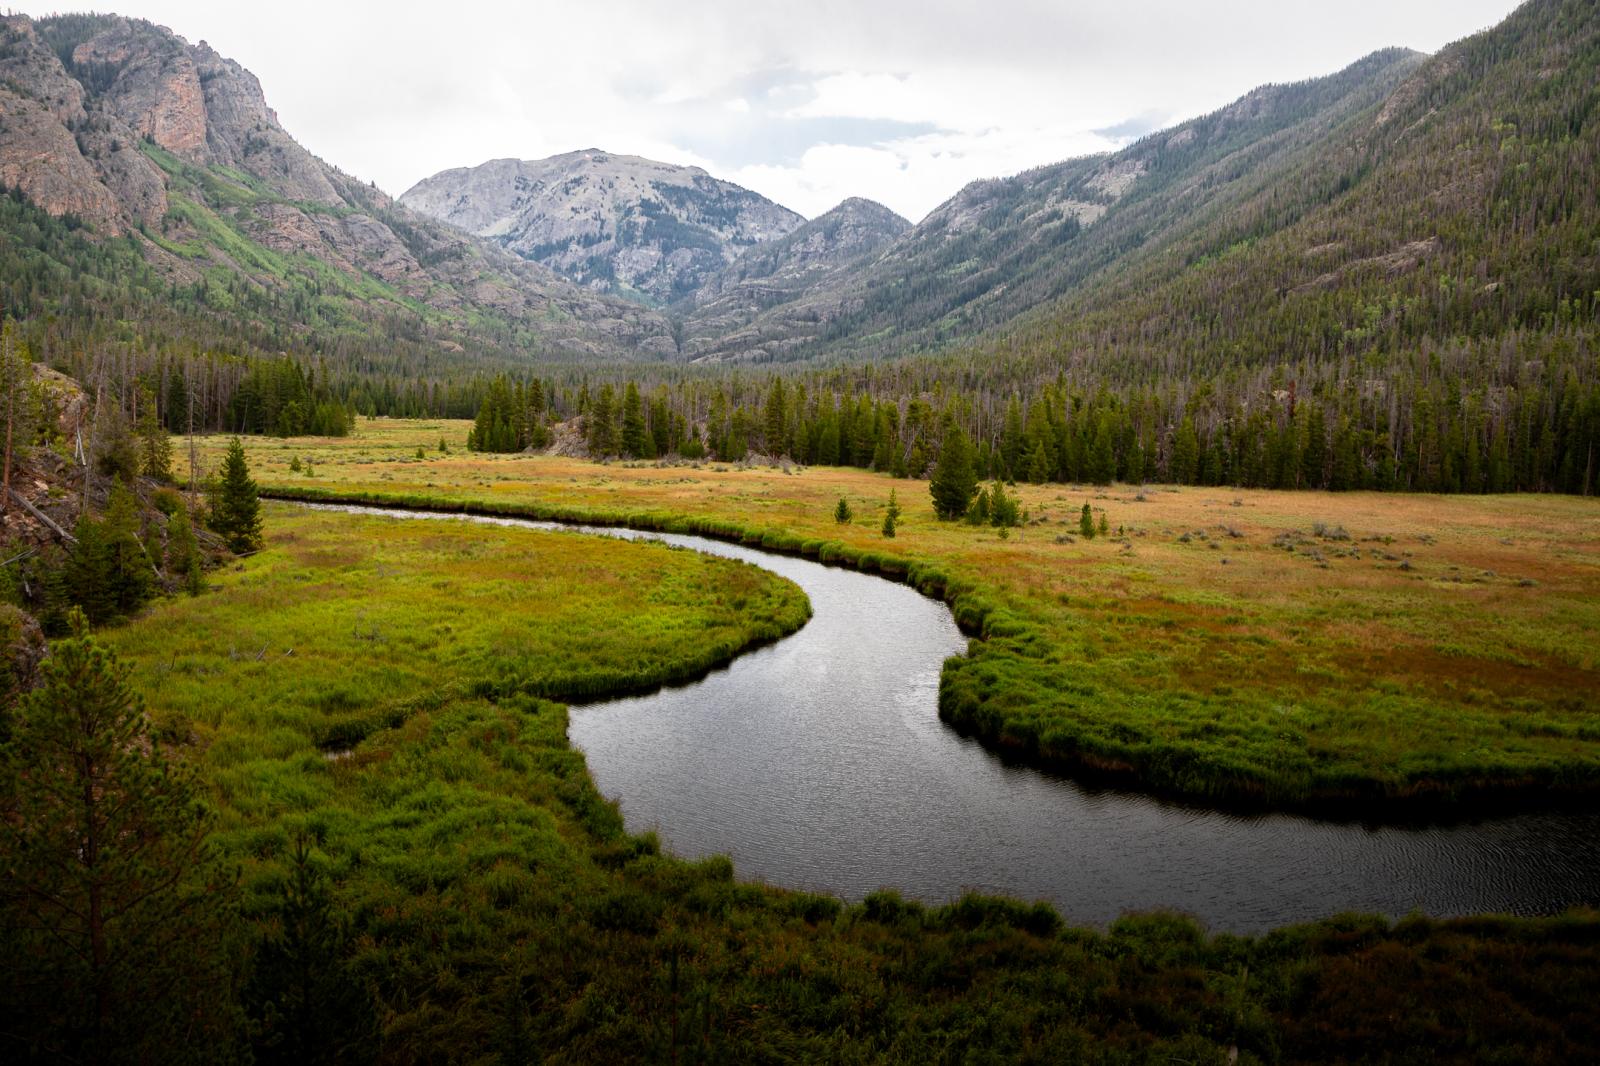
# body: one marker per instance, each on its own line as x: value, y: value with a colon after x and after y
x: 612, y: 222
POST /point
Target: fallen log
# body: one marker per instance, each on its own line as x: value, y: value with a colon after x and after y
x: 41, y: 516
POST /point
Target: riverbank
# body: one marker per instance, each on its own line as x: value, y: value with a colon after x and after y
x: 485, y: 899
x: 1396, y: 658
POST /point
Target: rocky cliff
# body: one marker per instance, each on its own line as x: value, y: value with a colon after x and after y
x: 125, y: 126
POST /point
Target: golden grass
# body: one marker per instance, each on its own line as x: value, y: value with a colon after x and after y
x: 1446, y: 634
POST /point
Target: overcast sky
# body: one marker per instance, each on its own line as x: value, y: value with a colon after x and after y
x: 902, y: 101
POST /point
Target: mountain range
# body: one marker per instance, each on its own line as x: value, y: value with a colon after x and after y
x: 157, y: 167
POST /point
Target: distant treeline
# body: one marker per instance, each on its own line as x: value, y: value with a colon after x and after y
x: 1518, y: 414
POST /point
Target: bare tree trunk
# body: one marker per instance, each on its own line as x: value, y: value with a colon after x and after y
x: 194, y: 455
x: 94, y: 430
x: 9, y: 371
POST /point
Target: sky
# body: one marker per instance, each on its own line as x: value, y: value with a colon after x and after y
x: 900, y: 101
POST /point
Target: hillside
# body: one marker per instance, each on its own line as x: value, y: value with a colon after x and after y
x: 797, y: 276
x: 614, y: 223
x: 1463, y: 208
x: 999, y: 248
x: 156, y: 168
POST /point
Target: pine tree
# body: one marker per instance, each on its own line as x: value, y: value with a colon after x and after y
x: 111, y: 907
x: 236, y: 507
x: 155, y: 447
x: 842, y: 514
x: 636, y: 442
x: 1086, y: 523
x: 891, y: 515
x: 311, y: 1007
x: 183, y: 553
x: 954, y: 480
x: 15, y: 374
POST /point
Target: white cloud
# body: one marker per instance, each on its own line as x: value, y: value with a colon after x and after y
x: 899, y: 100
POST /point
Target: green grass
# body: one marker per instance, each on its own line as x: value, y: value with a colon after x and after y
x: 1349, y: 685
x: 353, y: 624
x: 497, y: 910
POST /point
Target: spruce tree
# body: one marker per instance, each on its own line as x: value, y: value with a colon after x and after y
x: 183, y: 553
x: 155, y: 447
x: 88, y: 572
x: 1003, y: 510
x: 842, y: 514
x: 1183, y: 466
x: 236, y: 508
x: 131, y: 573
x: 601, y: 423
x: 636, y: 440
x: 111, y: 907
x: 775, y: 429
x: 978, y: 510
x: 954, y: 480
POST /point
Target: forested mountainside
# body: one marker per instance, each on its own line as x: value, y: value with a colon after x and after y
x: 1000, y: 248
x: 616, y: 223
x: 165, y: 204
x: 1466, y: 206
x: 1411, y: 302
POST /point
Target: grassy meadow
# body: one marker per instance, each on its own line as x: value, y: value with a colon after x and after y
x: 353, y: 624
x: 1327, y: 651
x: 380, y: 693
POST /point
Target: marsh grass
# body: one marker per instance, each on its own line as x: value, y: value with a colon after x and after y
x: 1308, y: 671
x: 496, y: 910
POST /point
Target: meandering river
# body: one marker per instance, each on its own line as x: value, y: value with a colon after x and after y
x: 820, y: 762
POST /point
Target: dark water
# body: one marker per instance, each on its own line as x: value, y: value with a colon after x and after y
x: 820, y: 763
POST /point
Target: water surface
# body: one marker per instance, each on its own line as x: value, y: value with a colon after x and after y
x: 820, y: 762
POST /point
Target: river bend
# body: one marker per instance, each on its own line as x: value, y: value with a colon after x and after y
x: 820, y: 763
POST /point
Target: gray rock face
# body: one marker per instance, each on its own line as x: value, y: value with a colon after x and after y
x: 129, y: 127
x: 59, y: 147
x: 614, y: 223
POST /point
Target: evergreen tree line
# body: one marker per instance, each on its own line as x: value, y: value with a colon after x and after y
x: 1520, y: 414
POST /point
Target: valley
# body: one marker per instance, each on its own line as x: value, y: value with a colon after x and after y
x: 1140, y: 608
